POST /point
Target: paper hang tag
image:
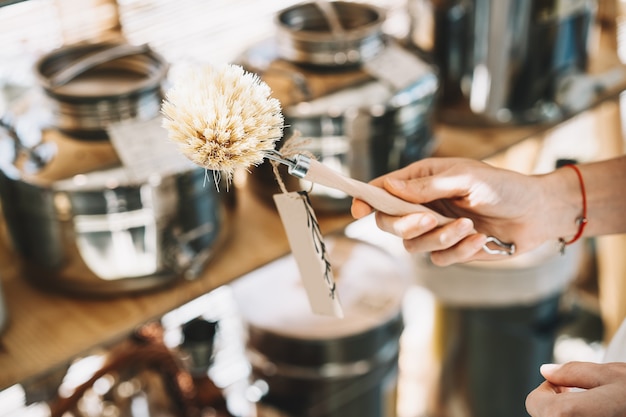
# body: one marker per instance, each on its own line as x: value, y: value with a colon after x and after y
x: 309, y: 251
x: 396, y: 66
x: 144, y: 148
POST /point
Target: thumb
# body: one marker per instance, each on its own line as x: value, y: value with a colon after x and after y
x: 426, y: 189
x: 585, y: 375
x: 360, y: 208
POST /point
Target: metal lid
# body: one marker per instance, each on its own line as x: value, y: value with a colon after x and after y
x: 370, y: 284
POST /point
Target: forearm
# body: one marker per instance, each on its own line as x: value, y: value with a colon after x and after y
x: 605, y: 191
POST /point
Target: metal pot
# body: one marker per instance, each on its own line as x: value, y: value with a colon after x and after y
x: 92, y: 85
x: 503, y: 62
x: 102, y: 231
x: 319, y: 365
x: 333, y: 34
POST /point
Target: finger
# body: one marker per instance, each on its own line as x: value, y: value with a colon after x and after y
x: 468, y: 249
x: 360, y: 208
x: 440, y: 238
x: 582, y: 374
x: 541, y: 399
x: 409, y: 226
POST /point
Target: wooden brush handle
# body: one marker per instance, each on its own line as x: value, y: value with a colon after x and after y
x: 376, y: 197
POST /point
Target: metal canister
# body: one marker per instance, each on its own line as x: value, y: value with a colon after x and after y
x: 505, y: 61
x: 330, y: 34
x: 327, y: 366
x: 497, y: 322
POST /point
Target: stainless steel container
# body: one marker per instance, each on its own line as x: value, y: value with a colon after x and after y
x: 91, y: 85
x: 104, y: 232
x: 333, y: 33
x: 496, y: 322
x: 326, y: 366
x: 360, y: 123
x: 503, y: 61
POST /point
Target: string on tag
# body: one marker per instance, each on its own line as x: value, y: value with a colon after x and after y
x: 291, y: 147
x: 305, y: 237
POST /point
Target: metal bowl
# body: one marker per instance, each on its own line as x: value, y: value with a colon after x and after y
x: 306, y: 33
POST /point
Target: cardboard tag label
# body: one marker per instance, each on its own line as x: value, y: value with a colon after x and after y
x: 396, y: 66
x: 308, y: 249
x: 144, y: 148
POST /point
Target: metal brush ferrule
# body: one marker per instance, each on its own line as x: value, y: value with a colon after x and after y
x: 301, y: 166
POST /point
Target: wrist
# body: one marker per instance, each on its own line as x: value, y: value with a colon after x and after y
x: 564, y: 204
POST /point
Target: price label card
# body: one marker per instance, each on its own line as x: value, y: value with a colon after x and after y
x: 144, y: 148
x: 396, y: 66
x: 309, y: 251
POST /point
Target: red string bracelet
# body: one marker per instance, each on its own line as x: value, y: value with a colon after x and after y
x: 582, y: 220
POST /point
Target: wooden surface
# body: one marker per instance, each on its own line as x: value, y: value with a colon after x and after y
x: 48, y: 330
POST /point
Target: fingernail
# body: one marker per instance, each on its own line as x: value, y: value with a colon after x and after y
x: 396, y: 184
x: 549, y: 367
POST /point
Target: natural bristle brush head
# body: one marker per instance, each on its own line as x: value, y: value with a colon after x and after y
x: 222, y: 117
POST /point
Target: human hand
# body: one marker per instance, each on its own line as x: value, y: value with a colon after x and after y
x: 479, y: 197
x: 599, y: 391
